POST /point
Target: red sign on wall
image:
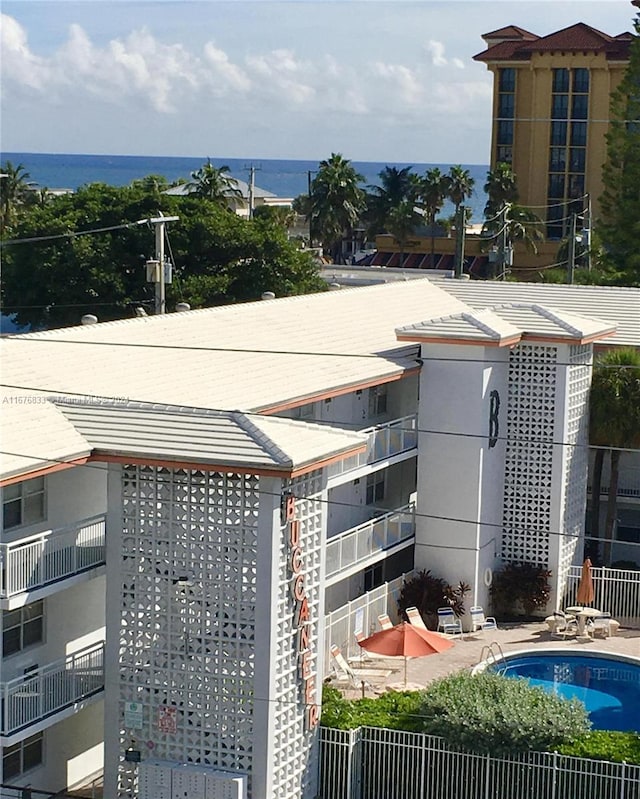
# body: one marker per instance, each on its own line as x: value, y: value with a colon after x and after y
x: 167, y: 718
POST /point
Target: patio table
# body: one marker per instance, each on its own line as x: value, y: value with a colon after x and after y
x: 582, y: 614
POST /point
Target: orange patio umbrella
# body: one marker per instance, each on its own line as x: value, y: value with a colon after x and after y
x: 586, y: 593
x: 406, y: 641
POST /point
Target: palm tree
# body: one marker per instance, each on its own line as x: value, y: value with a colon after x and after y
x: 396, y: 186
x: 460, y: 186
x: 434, y: 188
x: 614, y: 424
x: 336, y: 202
x: 401, y: 222
x: 215, y: 184
x: 14, y: 188
x: 500, y: 188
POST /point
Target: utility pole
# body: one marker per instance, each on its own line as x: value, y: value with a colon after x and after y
x: 156, y: 268
x: 571, y: 253
x: 309, y: 173
x: 586, y: 232
x: 503, y: 258
x: 460, y: 232
x: 252, y: 187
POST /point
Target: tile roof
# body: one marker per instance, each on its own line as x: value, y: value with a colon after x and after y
x: 575, y: 38
x: 228, y: 439
x: 253, y: 356
x: 507, y: 324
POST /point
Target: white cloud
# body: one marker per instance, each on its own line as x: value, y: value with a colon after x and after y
x: 18, y: 63
x: 436, y: 51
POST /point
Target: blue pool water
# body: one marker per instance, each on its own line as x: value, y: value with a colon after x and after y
x: 610, y: 688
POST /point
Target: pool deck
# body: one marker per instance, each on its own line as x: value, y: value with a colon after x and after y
x: 466, y: 653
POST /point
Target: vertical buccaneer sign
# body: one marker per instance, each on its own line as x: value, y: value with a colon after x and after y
x: 302, y: 616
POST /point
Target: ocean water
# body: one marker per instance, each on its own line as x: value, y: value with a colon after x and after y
x: 283, y: 178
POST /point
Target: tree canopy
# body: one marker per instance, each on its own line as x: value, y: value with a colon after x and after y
x: 218, y: 257
x: 619, y: 227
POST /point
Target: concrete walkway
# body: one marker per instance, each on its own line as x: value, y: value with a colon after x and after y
x: 466, y: 654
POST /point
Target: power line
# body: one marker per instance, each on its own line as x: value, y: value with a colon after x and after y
x: 387, y: 356
x: 119, y: 400
x: 342, y: 504
x: 71, y: 234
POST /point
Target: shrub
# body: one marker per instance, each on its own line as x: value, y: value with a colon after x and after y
x: 520, y: 587
x: 428, y: 593
x: 499, y: 715
x: 605, y: 745
x: 393, y: 710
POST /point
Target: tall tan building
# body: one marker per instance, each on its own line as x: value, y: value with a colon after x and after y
x: 551, y: 101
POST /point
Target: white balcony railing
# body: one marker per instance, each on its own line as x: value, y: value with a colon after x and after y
x: 628, y: 483
x: 383, y: 441
x: 40, y: 559
x: 42, y: 692
x: 360, y: 544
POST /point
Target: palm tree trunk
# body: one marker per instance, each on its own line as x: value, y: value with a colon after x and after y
x: 596, y: 487
x: 612, y: 503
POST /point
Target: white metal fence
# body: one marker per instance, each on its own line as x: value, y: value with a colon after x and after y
x: 362, y: 613
x: 617, y: 591
x: 353, y: 548
x: 371, y: 763
x: 52, y: 555
x: 383, y: 441
x: 51, y: 688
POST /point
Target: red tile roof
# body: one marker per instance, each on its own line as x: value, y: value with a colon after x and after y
x: 510, y: 32
x: 575, y: 38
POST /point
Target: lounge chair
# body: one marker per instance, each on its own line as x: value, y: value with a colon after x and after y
x: 481, y: 622
x: 561, y: 623
x: 345, y: 672
x: 364, y: 655
x: 415, y: 618
x: 448, y: 622
x: 385, y: 622
x: 600, y: 624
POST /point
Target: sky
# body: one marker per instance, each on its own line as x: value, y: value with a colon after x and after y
x: 376, y: 80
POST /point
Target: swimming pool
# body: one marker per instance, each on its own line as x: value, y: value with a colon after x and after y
x: 609, y: 685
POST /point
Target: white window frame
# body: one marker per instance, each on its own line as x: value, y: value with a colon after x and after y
x: 20, y: 747
x: 378, y: 400
x: 25, y: 619
x: 20, y: 495
x: 376, y: 487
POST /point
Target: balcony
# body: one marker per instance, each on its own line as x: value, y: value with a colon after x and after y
x: 628, y: 483
x: 53, y: 555
x: 384, y: 441
x: 51, y: 689
x: 354, y: 549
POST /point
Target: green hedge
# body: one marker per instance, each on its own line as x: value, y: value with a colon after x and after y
x: 605, y: 745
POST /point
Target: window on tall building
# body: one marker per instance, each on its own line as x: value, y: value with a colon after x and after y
x: 579, y: 134
x: 557, y: 159
x: 507, y: 80
x: 23, y: 503
x: 504, y: 154
x: 579, y: 106
x: 560, y: 106
x: 581, y: 81
x: 506, y: 106
x: 577, y: 157
x: 378, y: 400
x: 560, y: 80
x: 373, y: 576
x: 22, y: 757
x: 505, y: 131
x: 556, y: 187
x: 375, y: 487
x: 22, y: 628
x: 558, y: 133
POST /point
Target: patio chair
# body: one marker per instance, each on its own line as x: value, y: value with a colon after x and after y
x: 564, y: 623
x: 415, y: 618
x: 448, y: 622
x: 345, y: 672
x: 364, y: 655
x: 600, y: 624
x: 481, y: 622
x: 384, y: 621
